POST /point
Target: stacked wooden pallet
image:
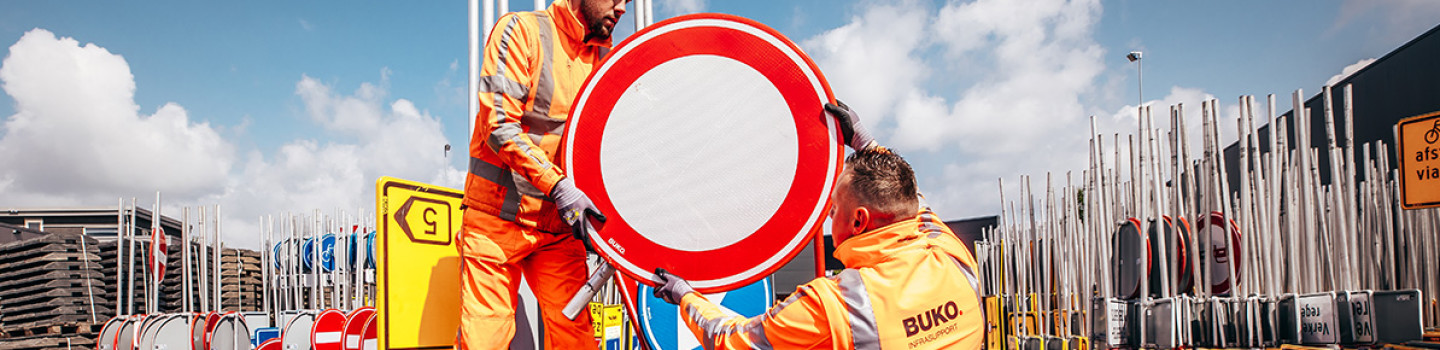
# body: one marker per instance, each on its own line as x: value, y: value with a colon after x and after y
x: 242, y: 281
x: 65, y: 336
x: 51, y: 280
x: 46, y: 290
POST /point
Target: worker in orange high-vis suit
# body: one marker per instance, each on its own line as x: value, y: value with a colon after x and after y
x: 909, y: 282
x: 523, y: 216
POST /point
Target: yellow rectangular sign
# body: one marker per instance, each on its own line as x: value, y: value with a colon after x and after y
x: 596, y: 321
x: 1419, y: 156
x: 418, y: 301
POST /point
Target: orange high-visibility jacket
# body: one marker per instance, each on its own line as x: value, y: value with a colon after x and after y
x: 535, y: 63
x: 908, y: 285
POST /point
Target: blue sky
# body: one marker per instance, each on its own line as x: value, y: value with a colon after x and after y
x: 272, y: 106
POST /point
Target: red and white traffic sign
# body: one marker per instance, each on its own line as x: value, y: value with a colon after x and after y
x: 272, y: 344
x: 355, y: 326
x: 704, y: 142
x: 328, y: 331
x: 159, y: 246
x: 1221, y: 253
x: 367, y: 338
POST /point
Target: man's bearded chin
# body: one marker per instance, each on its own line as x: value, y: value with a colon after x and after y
x: 598, y: 31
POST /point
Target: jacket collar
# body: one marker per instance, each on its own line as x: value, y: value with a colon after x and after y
x: 878, y: 245
x: 569, y: 23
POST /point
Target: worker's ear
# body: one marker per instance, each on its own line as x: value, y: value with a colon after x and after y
x: 861, y: 220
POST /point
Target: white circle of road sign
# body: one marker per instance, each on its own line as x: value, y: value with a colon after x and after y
x: 704, y: 142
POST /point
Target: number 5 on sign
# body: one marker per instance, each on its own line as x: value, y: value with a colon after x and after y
x: 417, y: 302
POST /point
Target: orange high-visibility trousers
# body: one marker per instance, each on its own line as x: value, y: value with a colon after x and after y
x: 494, y: 253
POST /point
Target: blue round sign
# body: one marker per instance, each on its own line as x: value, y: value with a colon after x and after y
x: 370, y: 250
x: 327, y: 252
x: 278, y: 255
x: 352, y: 246
x: 662, y: 325
x: 307, y: 254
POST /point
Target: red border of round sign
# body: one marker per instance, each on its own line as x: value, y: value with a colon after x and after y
x: 354, y: 318
x: 371, y: 328
x: 272, y: 344
x: 211, y: 319
x: 770, y: 61
x: 1235, y: 252
x: 314, y: 328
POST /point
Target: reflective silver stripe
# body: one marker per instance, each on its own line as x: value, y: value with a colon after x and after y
x: 526, y: 188
x: 514, y: 185
x: 500, y: 66
x: 541, y: 124
x: 501, y: 84
x: 969, y: 275
x: 716, y: 327
x: 495, y: 174
x: 486, y: 170
x: 975, y: 286
x: 755, y: 332
x: 863, y: 330
x: 511, y: 205
x: 545, y: 84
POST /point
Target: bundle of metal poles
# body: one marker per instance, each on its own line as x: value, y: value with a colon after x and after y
x: 1160, y: 246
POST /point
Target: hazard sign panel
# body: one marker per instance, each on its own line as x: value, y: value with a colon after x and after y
x: 704, y: 142
x: 1419, y: 158
x: 418, y: 297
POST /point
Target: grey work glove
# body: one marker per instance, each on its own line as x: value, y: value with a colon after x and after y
x: 575, y: 208
x: 855, y: 134
x: 671, y: 288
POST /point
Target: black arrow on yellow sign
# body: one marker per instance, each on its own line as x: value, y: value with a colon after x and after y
x: 432, y: 217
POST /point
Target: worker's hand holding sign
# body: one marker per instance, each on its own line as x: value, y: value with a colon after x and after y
x: 576, y: 209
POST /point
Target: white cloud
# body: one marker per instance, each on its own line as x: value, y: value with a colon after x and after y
x: 987, y: 89
x: 672, y: 8
x: 1395, y: 20
x: 370, y: 138
x: 978, y: 89
x: 77, y: 139
x: 77, y: 136
x: 1348, y: 70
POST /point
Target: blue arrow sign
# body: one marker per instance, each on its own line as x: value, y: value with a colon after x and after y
x: 661, y: 321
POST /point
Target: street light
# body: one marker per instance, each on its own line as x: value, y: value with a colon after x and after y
x: 1135, y: 56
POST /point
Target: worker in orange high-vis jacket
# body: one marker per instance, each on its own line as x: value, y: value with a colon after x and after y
x: 909, y: 282
x: 523, y: 216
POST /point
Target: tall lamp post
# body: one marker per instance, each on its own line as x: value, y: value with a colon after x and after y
x: 1135, y: 56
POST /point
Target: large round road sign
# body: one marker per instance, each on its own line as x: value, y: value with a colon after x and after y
x: 368, y: 333
x: 704, y: 142
x: 1220, y: 255
x: 328, y: 331
x: 355, y: 326
x: 108, y: 333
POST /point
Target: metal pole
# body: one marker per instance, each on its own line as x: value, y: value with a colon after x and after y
x: 477, y: 41
x: 119, y: 251
x: 130, y: 284
x: 202, y: 296
x: 215, y: 264
x: 185, y: 259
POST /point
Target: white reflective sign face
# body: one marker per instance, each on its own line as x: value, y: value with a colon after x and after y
x: 738, y: 125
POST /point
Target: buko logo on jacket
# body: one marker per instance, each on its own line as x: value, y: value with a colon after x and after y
x: 931, y: 318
